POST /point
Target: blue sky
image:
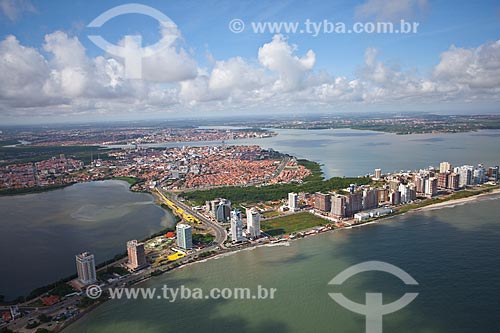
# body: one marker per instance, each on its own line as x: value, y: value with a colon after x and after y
x: 206, y: 38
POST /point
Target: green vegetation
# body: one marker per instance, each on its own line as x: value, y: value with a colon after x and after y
x: 203, y: 238
x: 62, y: 289
x: 58, y: 287
x: 42, y: 330
x: 206, y: 254
x: 291, y: 223
x: 30, y: 154
x: 37, y: 189
x: 5, y: 330
x: 251, y: 194
x: 86, y: 302
x: 131, y: 180
x: 109, y: 271
x: 271, y: 213
x: 454, y: 196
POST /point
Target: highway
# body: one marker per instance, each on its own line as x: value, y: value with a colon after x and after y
x: 220, y: 231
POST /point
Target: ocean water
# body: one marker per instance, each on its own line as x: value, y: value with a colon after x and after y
x: 451, y: 252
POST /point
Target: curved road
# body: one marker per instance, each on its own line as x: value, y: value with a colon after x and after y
x: 220, y: 231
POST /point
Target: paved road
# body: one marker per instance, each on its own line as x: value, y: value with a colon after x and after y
x: 220, y: 231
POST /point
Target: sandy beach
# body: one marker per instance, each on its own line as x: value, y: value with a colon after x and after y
x: 457, y: 201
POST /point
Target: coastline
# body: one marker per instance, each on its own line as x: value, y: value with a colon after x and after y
x: 457, y: 201
x: 226, y: 253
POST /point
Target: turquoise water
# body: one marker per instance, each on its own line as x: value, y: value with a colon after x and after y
x: 41, y: 233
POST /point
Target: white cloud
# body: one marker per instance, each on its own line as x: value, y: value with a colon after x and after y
x: 475, y: 68
x: 13, y: 9
x: 278, y: 57
x: 64, y: 81
x: 391, y: 10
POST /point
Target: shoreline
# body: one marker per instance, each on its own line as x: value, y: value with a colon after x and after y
x: 459, y: 201
x: 226, y: 253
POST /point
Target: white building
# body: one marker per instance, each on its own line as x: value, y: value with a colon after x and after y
x: 444, y: 167
x: 253, y: 223
x: 478, y: 175
x: 378, y: 174
x: 465, y: 175
x: 236, y: 226
x: 405, y: 193
x: 85, y: 266
x: 184, y: 236
x: 292, y: 201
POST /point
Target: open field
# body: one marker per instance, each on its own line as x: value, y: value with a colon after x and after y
x: 291, y: 223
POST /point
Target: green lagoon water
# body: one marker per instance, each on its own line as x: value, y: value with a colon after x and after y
x: 40, y: 233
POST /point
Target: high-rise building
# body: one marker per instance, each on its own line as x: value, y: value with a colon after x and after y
x: 292, y: 201
x: 492, y: 173
x: 431, y: 186
x: 378, y: 174
x: 354, y: 203
x: 383, y: 195
x: 339, y: 203
x: 405, y: 193
x: 136, y: 255
x: 211, y: 206
x: 453, y: 181
x: 322, y: 202
x: 370, y: 199
x: 253, y: 222
x: 478, y: 174
x: 184, y: 236
x: 444, y: 167
x: 420, y: 183
x: 223, y: 213
x: 236, y: 226
x: 85, y: 266
x: 443, y: 180
x: 465, y: 175
x: 395, y: 197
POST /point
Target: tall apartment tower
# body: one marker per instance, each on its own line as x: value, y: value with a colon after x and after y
x: 339, y: 203
x: 431, y: 186
x: 85, y: 266
x: 236, y: 226
x: 370, y: 199
x: 292, y: 201
x: 322, y: 202
x: 136, y: 255
x: 378, y: 174
x: 223, y: 212
x: 444, y: 167
x: 184, y: 236
x: 253, y: 223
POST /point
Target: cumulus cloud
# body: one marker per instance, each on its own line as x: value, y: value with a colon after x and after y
x: 166, y: 61
x: 474, y: 68
x: 65, y: 81
x: 278, y: 57
x: 391, y: 10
